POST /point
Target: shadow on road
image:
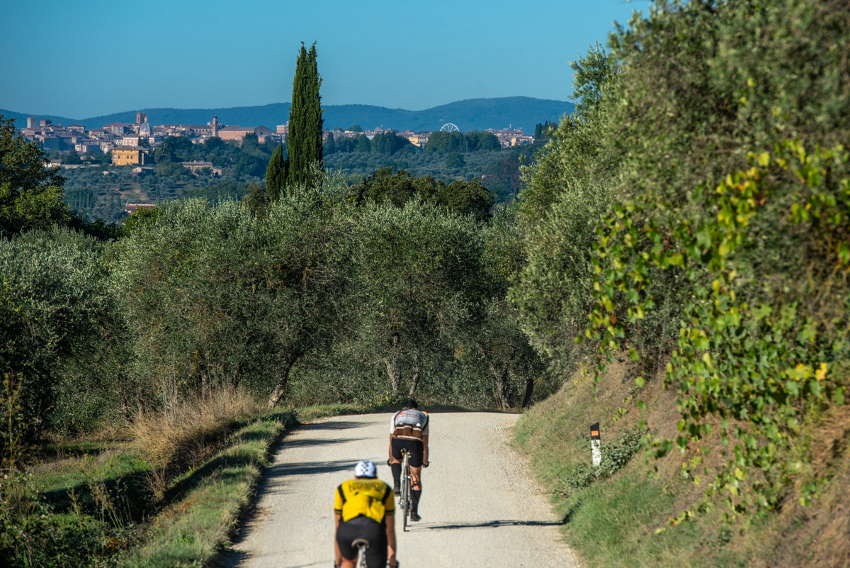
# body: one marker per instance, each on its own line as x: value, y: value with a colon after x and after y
x: 489, y: 524
x: 234, y: 558
x: 308, y: 468
x: 287, y: 443
x: 337, y: 425
x: 229, y: 558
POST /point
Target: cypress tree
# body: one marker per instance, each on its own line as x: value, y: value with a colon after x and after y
x: 305, y: 119
x: 330, y: 145
x: 363, y: 144
x: 276, y: 174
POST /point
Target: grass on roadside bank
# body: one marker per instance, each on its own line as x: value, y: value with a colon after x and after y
x: 94, y: 504
x: 189, y: 433
x: 212, y: 499
x: 189, y: 531
x: 612, y: 516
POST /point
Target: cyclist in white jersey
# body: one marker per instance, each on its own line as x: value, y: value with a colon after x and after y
x: 409, y: 431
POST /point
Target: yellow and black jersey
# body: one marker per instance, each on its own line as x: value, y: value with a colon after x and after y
x: 371, y: 498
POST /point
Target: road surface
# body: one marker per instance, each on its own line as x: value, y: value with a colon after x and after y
x: 479, y: 507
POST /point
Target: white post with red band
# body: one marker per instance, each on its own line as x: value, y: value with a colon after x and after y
x: 595, y: 444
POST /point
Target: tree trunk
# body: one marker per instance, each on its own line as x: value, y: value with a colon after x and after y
x: 282, y: 384
x: 502, y: 386
x: 199, y: 372
x: 414, y: 383
x: 529, y: 392
x: 393, y: 373
x: 391, y: 363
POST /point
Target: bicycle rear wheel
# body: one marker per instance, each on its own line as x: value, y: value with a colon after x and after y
x: 405, y: 489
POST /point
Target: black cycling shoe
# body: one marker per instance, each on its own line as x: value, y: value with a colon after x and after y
x: 414, y: 516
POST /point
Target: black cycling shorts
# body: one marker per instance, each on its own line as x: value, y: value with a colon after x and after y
x: 412, y: 446
x: 371, y: 530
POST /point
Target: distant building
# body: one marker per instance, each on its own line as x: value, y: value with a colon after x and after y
x: 195, y: 166
x: 264, y: 134
x: 115, y: 128
x: 145, y: 130
x: 195, y: 129
x: 30, y: 123
x: 131, y: 208
x: 87, y: 147
x: 510, y: 137
x: 128, y: 156
x: 419, y: 139
x: 51, y: 142
x: 237, y: 133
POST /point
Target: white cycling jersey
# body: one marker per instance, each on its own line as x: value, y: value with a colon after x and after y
x: 409, y: 419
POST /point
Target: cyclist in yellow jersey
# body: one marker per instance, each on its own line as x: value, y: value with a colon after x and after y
x: 364, y: 507
x: 409, y: 431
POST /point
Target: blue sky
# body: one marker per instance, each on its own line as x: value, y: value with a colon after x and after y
x: 81, y: 58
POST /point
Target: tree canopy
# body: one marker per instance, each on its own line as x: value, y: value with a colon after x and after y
x: 671, y: 218
x: 31, y: 194
x: 388, y: 186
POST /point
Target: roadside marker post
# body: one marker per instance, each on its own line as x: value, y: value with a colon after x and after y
x: 595, y: 444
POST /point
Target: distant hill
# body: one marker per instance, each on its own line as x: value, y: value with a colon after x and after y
x: 21, y: 119
x: 472, y: 114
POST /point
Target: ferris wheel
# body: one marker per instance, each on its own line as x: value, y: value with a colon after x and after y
x: 449, y: 127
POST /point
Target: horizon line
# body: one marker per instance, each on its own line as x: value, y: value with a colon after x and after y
x: 278, y: 103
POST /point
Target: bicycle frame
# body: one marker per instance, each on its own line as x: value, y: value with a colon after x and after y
x: 404, y: 498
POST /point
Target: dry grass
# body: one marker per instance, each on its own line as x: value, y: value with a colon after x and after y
x: 824, y: 526
x: 189, y: 432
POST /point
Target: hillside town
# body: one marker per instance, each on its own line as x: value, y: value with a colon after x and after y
x: 131, y: 144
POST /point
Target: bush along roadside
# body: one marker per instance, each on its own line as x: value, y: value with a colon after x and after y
x: 759, y: 350
x: 617, y: 455
x: 33, y: 534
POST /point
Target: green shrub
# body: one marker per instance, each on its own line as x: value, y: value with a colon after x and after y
x: 59, y: 329
x: 615, y: 456
x: 32, y: 535
x: 52, y: 540
x: 695, y: 211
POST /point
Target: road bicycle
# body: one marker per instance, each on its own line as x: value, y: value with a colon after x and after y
x: 404, y: 500
x: 361, y: 544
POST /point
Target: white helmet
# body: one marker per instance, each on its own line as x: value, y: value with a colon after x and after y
x: 365, y: 468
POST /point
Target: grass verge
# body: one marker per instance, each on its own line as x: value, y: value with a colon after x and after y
x: 619, y: 514
x: 209, y: 499
x: 208, y: 502
x: 96, y: 504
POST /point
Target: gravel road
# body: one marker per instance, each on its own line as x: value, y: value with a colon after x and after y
x: 479, y: 507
